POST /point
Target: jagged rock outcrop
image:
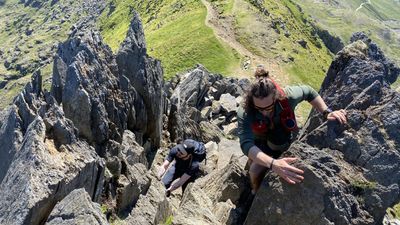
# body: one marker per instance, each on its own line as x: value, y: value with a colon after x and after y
x: 217, y: 198
x: 202, y: 103
x: 48, y: 163
x: 145, y: 75
x: 93, y: 131
x: 77, y: 208
x: 152, y: 208
x: 332, y: 42
x: 352, y: 171
x: 105, y: 94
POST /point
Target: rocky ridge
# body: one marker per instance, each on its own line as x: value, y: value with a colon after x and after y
x: 94, y: 137
x: 97, y: 129
x: 77, y: 136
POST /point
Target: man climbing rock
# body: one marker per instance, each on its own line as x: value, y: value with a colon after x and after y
x: 266, y: 122
x: 185, y: 168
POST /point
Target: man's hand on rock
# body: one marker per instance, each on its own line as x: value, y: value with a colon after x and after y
x: 289, y: 173
x: 161, y: 172
x: 339, y: 115
x: 167, y: 193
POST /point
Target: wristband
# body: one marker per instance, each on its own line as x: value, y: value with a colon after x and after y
x: 326, y: 112
x: 272, y: 163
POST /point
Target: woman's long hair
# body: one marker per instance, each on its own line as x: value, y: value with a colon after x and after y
x: 260, y: 88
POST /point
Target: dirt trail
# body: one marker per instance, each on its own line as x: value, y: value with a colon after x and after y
x: 225, y: 32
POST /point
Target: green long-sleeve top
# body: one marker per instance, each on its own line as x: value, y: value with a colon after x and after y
x: 274, y: 135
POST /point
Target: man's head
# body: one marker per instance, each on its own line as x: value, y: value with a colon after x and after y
x: 182, y: 153
x: 261, y: 96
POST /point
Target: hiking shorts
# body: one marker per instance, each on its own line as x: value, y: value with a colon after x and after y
x: 267, y: 150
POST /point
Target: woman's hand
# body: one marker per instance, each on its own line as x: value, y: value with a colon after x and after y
x: 289, y: 173
x: 339, y: 115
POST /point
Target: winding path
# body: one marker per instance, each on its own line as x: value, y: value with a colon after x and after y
x: 224, y: 31
x: 362, y: 5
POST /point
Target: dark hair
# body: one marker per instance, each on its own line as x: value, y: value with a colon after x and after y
x: 178, y: 140
x: 260, y: 88
x: 261, y: 72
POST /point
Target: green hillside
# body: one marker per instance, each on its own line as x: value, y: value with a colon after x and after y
x: 290, y: 26
x: 175, y: 33
x: 379, y: 19
x: 278, y: 32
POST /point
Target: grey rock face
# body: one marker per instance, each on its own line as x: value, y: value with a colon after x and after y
x: 333, y: 43
x: 352, y: 171
x: 131, y: 186
x: 201, y: 103
x: 52, y: 142
x: 77, y: 208
x: 9, y: 140
x: 151, y: 208
x: 103, y: 94
x: 40, y: 175
x: 145, y: 75
x: 87, y: 93
x: 16, y: 119
x: 215, y: 198
x: 44, y: 160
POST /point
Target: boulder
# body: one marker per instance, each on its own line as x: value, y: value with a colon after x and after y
x: 213, y: 97
x: 216, y: 198
x: 131, y: 185
x: 77, y: 208
x: 152, y: 207
x: 210, y: 132
x: 41, y: 174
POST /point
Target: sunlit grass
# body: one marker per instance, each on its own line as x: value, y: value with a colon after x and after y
x: 177, y: 36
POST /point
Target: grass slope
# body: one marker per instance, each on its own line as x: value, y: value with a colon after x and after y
x: 175, y: 33
x: 380, y: 20
x: 275, y: 37
x: 311, y: 63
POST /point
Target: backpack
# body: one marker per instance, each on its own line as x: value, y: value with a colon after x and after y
x: 197, y: 148
x: 287, y: 117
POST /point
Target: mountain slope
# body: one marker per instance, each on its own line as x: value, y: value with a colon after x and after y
x: 278, y: 34
x: 379, y: 19
x: 175, y: 33
x: 29, y: 34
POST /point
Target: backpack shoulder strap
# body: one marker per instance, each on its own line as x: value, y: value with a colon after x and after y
x: 284, y: 103
x: 287, y: 114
